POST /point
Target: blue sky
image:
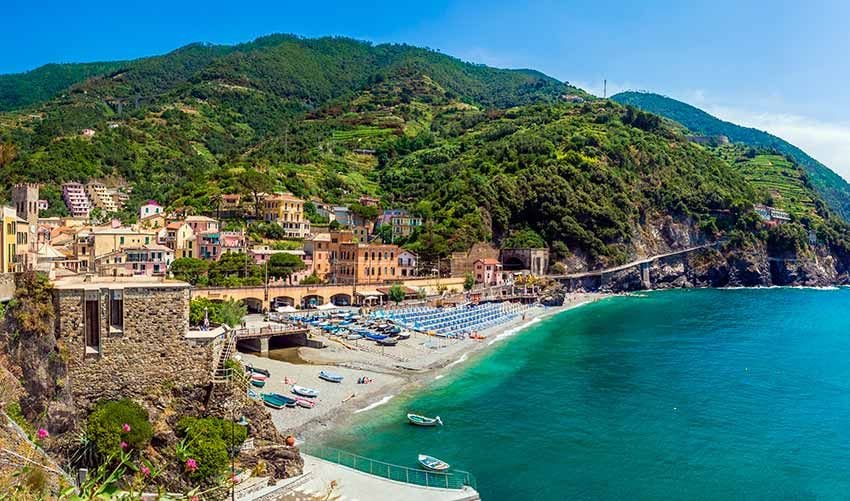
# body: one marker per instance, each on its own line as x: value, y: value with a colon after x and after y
x: 776, y: 65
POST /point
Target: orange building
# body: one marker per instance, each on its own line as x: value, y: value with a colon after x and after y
x: 339, y: 258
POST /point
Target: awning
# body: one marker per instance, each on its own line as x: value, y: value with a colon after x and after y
x: 327, y: 306
x: 368, y: 293
x: 285, y: 309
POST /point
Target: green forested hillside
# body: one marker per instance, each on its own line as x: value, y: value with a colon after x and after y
x: 481, y: 153
x: 834, y: 189
x: 24, y: 89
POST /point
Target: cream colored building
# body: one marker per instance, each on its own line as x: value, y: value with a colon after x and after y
x: 179, y: 237
x: 288, y: 211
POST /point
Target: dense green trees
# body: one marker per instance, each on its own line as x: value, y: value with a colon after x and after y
x: 283, y: 265
x: 480, y: 154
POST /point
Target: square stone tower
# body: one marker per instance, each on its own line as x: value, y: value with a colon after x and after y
x: 25, y: 200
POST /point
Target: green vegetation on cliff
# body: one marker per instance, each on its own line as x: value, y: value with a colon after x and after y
x: 834, y: 189
x: 480, y: 153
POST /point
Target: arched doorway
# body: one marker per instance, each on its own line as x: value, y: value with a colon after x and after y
x: 311, y: 301
x: 341, y: 299
x: 254, y: 305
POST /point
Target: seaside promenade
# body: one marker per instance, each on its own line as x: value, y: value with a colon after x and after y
x: 327, y: 480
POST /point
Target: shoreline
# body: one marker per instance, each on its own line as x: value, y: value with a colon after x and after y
x: 393, y: 376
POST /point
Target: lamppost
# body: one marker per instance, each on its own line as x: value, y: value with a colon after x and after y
x: 231, y: 408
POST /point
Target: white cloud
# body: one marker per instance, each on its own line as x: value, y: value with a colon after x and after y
x: 828, y: 142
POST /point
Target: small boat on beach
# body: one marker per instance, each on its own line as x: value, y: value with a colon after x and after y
x: 305, y: 403
x: 304, y: 392
x: 353, y: 337
x: 433, y: 463
x: 259, y: 377
x: 424, y: 420
x: 390, y: 341
x: 258, y: 383
x: 404, y: 335
x: 330, y: 377
x: 277, y: 401
x: 258, y: 370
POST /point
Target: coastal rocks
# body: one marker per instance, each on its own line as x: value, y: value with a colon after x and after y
x: 553, y: 295
x: 278, y: 461
x: 749, y: 268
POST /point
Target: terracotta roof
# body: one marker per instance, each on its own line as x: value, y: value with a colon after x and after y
x: 488, y: 261
x: 175, y: 225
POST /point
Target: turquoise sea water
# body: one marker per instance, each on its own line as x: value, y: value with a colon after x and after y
x: 698, y: 394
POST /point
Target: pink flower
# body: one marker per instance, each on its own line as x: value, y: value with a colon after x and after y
x: 194, y: 498
x: 145, y: 471
x: 42, y: 434
x: 191, y: 465
x: 123, y: 445
x: 126, y: 428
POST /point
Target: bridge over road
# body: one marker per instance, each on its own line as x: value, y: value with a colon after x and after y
x: 571, y: 279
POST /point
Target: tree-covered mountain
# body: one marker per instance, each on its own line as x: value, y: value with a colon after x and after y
x: 832, y: 187
x: 481, y: 153
x: 19, y: 90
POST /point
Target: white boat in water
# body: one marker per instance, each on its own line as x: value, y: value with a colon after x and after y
x: 424, y: 420
x: 433, y: 463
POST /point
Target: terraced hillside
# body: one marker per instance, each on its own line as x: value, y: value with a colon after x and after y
x: 777, y: 180
x: 829, y: 185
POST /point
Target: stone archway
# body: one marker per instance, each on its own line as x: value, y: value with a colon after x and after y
x: 312, y: 300
x: 341, y: 299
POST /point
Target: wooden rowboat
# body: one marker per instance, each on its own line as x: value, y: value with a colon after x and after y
x: 305, y: 402
x: 257, y: 370
x: 423, y: 420
x: 259, y: 383
x: 304, y: 392
x: 433, y: 463
x: 330, y: 376
x: 277, y: 401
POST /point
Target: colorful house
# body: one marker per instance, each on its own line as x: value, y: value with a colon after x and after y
x: 150, y: 208
x: 488, y: 272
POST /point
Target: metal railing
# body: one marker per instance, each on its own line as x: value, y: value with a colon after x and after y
x: 454, y: 479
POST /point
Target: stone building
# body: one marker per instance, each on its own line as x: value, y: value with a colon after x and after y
x: 535, y: 261
x: 123, y: 337
x: 464, y: 262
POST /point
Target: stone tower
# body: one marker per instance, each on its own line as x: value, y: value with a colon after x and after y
x: 25, y: 199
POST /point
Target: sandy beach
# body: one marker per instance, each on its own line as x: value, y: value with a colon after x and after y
x: 394, y: 370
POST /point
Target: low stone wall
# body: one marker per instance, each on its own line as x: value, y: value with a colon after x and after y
x: 150, y: 351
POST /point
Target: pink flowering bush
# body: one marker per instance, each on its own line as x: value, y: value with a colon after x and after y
x: 119, y: 425
x: 42, y: 434
x: 191, y: 465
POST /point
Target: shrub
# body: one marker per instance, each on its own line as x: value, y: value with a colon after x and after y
x: 105, y: 426
x: 207, y: 441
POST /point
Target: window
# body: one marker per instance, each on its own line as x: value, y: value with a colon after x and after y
x: 116, y: 309
x: 121, y: 240
x: 92, y: 324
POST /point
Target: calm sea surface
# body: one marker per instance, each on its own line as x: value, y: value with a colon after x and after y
x: 699, y: 394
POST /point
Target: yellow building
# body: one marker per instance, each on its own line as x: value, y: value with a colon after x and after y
x: 179, y: 237
x: 8, y: 239
x: 91, y: 243
x: 288, y: 211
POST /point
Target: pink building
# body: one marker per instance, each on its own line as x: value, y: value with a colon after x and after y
x: 488, y: 272
x: 200, y: 224
x: 148, y: 260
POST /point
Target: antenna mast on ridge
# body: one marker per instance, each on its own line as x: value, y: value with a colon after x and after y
x: 604, y: 89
